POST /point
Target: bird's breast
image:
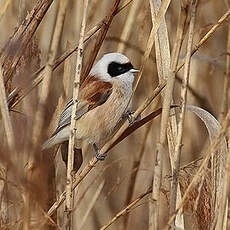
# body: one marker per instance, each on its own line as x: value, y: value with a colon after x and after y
x: 98, y: 125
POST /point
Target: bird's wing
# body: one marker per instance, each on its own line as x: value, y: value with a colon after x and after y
x: 92, y: 93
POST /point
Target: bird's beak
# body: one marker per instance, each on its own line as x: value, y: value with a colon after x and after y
x: 134, y: 70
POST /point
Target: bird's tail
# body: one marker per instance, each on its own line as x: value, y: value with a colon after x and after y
x: 49, y: 143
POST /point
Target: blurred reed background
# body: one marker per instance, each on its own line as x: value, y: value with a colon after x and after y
x: 31, y: 181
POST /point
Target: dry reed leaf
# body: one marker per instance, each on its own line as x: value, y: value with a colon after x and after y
x: 218, y: 162
x: 15, y: 47
x: 206, y: 211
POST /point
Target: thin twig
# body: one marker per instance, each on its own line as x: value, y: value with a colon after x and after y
x: 178, y: 146
x: 76, y: 84
x: 106, y: 147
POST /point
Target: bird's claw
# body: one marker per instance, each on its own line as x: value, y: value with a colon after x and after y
x: 99, y: 156
x: 129, y: 116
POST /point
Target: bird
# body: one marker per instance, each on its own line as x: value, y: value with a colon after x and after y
x: 104, y: 101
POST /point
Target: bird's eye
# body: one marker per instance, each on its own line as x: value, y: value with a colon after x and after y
x: 116, y: 69
x: 119, y: 68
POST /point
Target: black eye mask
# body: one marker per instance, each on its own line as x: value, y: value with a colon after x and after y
x: 116, y: 69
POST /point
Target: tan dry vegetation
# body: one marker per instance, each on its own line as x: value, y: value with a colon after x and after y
x: 142, y: 180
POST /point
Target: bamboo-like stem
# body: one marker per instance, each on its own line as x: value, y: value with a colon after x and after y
x: 163, y: 65
x: 162, y: 53
x: 164, y: 119
x: 6, y: 115
x: 177, y: 154
x: 159, y: 18
x: 39, y: 75
x: 106, y: 147
x: 70, y: 174
x: 212, y: 149
x: 151, y: 39
x: 127, y: 29
x: 125, y: 210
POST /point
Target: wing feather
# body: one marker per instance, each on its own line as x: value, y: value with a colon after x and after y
x: 93, y: 93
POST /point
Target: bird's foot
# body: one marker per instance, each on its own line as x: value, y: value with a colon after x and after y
x: 99, y: 156
x: 129, y: 116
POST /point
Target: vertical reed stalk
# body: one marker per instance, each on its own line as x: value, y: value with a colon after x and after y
x: 70, y: 174
x: 164, y: 118
x: 178, y: 146
x: 163, y: 64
